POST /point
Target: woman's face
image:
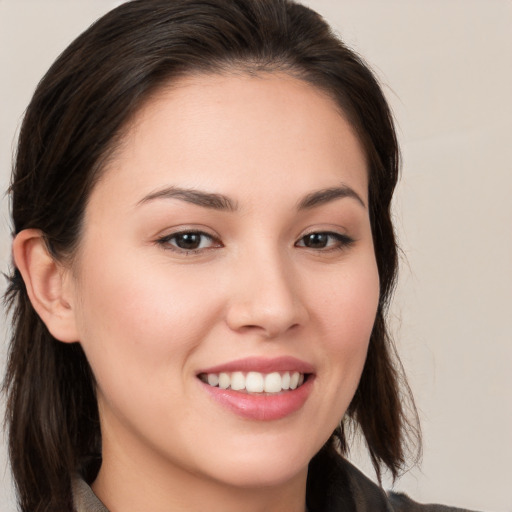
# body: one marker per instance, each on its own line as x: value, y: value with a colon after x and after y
x: 227, y: 245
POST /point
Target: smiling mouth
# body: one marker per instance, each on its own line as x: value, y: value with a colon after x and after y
x: 255, y: 382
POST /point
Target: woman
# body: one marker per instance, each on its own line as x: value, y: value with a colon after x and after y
x: 203, y: 259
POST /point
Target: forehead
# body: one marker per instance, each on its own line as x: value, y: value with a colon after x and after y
x: 222, y: 130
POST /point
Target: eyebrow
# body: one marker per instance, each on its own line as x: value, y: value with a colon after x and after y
x: 204, y: 199
x: 223, y: 203
x: 327, y: 195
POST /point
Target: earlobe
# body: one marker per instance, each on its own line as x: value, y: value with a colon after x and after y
x: 46, y: 283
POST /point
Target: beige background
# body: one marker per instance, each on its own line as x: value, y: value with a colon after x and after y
x: 446, y: 66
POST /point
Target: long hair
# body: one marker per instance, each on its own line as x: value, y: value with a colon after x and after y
x: 73, y: 125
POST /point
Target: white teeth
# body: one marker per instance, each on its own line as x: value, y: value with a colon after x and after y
x: 294, y: 380
x: 237, y: 381
x: 272, y: 383
x: 224, y: 381
x: 213, y: 379
x: 255, y: 382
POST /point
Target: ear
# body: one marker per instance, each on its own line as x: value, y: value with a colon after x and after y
x: 48, y: 284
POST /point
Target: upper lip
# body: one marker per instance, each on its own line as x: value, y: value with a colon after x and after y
x: 262, y: 365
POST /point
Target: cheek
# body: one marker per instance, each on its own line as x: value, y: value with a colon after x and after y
x: 350, y: 306
x: 135, y: 323
x: 347, y: 317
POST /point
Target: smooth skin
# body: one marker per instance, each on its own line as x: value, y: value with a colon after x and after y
x: 167, y: 282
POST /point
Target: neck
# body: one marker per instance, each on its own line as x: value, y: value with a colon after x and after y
x: 134, y: 481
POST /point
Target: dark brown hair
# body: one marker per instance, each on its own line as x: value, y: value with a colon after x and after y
x: 71, y: 127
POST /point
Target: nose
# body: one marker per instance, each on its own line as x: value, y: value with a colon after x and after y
x: 265, y: 296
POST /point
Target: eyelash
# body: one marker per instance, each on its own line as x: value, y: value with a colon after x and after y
x: 341, y: 241
x: 166, y: 241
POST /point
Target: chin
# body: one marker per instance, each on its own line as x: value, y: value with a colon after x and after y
x: 265, y: 475
x: 263, y: 467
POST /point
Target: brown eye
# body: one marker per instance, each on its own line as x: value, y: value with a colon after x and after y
x: 188, y: 241
x: 316, y: 240
x: 324, y: 240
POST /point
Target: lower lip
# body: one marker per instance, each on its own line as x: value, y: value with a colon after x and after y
x: 259, y: 406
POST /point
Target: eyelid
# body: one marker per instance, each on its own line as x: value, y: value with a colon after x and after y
x: 344, y: 240
x: 164, y: 240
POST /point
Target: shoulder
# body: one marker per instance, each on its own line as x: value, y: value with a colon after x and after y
x: 402, y: 503
x: 394, y: 502
x: 335, y: 485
